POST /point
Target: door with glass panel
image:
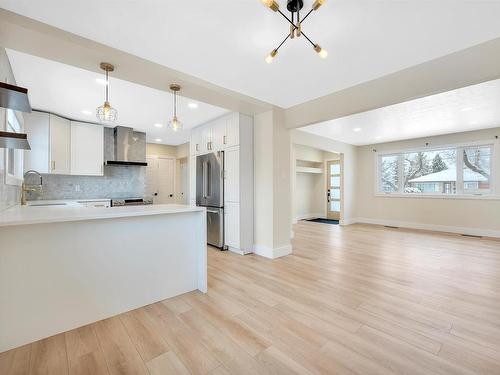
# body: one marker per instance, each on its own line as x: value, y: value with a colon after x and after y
x: 334, y: 189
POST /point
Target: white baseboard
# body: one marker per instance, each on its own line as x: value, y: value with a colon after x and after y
x: 270, y: 253
x: 348, y: 221
x: 432, y: 227
x: 309, y: 216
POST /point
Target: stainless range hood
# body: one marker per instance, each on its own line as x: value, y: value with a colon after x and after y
x: 15, y: 98
x: 130, y: 147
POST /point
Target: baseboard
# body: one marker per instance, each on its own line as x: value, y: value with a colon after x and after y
x: 309, y: 216
x: 432, y: 227
x: 270, y: 253
x: 347, y: 221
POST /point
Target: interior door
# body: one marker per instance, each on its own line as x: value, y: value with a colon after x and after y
x: 152, y: 178
x: 334, y: 189
x: 166, y: 181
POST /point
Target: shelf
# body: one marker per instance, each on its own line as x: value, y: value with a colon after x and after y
x: 309, y: 170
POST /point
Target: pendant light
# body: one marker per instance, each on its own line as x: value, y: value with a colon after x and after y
x: 105, y: 113
x: 175, y: 124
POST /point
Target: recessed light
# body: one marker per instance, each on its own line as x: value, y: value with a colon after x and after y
x: 159, y: 125
x: 193, y: 105
x: 158, y: 140
x: 466, y: 109
x: 357, y: 129
x: 101, y: 81
x: 378, y: 137
x: 86, y: 112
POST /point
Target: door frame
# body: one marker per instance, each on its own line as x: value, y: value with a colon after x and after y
x: 327, y: 185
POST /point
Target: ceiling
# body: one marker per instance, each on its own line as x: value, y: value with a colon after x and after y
x: 67, y: 91
x: 469, y: 108
x: 225, y: 41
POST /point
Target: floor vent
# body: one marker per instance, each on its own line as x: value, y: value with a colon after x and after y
x: 471, y: 235
x: 390, y: 226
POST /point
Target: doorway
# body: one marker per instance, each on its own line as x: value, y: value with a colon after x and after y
x: 333, y: 189
x: 160, y: 180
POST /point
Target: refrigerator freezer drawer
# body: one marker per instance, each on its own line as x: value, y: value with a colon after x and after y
x: 215, y: 227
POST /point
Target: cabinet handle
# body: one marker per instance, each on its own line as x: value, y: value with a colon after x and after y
x: 197, y: 147
x: 53, y: 167
x: 209, y: 146
x: 224, y: 139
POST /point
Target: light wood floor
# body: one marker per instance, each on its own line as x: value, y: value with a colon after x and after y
x: 350, y: 300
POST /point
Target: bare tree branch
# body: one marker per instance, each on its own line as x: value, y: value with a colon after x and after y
x: 473, y: 167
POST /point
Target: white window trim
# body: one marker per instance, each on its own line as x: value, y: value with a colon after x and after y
x: 491, y: 195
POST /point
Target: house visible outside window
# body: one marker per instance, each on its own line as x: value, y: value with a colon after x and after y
x: 456, y: 170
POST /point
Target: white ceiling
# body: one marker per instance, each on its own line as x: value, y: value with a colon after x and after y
x: 225, y: 41
x: 469, y: 108
x: 67, y: 91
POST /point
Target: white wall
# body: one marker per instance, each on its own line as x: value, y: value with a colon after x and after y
x: 350, y: 166
x: 470, y: 216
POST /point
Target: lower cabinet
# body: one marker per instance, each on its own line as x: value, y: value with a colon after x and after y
x: 232, y: 224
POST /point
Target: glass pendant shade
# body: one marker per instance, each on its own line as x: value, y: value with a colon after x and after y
x: 106, y: 113
x: 175, y: 124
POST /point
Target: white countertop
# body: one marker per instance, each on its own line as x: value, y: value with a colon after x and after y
x: 24, y: 215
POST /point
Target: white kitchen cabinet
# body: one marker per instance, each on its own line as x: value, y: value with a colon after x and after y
x: 36, y: 126
x: 232, y: 130
x: 232, y: 175
x: 232, y: 225
x: 195, y: 142
x: 60, y: 145
x: 87, y: 149
x: 206, y: 139
x: 218, y: 134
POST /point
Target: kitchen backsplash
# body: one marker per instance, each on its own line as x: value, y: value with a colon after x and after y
x: 117, y: 182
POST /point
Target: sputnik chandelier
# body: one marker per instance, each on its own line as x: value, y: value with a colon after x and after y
x: 294, y: 7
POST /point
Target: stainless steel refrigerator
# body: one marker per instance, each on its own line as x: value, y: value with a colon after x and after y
x: 210, y: 194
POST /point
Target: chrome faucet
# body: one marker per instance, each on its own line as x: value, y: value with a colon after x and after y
x: 25, y: 188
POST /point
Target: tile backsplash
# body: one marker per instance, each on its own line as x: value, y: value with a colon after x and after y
x: 117, y: 182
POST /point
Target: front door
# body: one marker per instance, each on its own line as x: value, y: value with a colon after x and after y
x: 333, y: 186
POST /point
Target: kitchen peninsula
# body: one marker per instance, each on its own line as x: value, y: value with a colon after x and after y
x: 65, y: 267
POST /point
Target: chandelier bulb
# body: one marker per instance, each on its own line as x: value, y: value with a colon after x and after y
x: 271, y: 56
x: 271, y: 4
x: 323, y: 53
x: 317, y: 4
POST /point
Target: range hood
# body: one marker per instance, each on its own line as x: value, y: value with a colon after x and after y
x: 15, y: 98
x: 130, y: 147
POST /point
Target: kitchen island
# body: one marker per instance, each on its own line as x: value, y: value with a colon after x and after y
x: 63, y: 267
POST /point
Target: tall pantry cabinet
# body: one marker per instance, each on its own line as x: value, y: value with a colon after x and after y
x: 232, y: 134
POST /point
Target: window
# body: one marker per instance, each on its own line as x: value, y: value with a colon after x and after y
x: 13, y: 158
x: 446, y: 171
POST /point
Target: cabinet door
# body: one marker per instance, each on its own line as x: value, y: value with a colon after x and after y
x: 60, y: 145
x: 218, y: 134
x: 36, y: 125
x: 232, y: 136
x: 206, y: 139
x: 87, y: 149
x: 232, y: 225
x: 195, y: 143
x: 232, y: 175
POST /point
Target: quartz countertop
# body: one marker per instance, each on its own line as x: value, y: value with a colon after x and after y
x: 24, y: 215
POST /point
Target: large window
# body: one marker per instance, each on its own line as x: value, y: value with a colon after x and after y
x: 446, y: 171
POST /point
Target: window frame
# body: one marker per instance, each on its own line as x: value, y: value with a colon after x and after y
x: 460, y: 194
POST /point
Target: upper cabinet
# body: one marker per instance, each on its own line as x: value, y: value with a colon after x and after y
x: 216, y: 135
x: 60, y: 146
x: 87, y: 151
